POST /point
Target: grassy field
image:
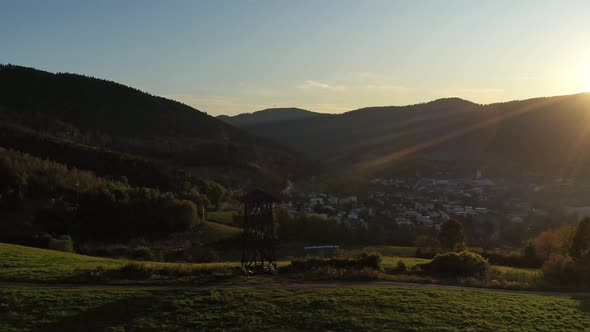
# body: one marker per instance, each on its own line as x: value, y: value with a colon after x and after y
x: 274, y: 305
x: 352, y: 309
x: 214, y: 232
x: 40, y: 265
x: 389, y: 262
x: 18, y: 263
x: 396, y: 251
x: 222, y: 217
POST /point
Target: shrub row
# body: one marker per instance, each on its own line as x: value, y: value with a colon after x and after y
x: 452, y: 264
x: 514, y: 259
x: 362, y: 261
x: 194, y: 254
x: 134, y: 271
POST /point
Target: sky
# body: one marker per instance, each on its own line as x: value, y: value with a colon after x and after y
x: 230, y: 57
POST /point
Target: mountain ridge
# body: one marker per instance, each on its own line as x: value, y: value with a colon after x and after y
x: 269, y: 115
x: 449, y: 128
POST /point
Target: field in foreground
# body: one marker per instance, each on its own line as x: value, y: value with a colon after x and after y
x: 262, y: 303
x: 26, y: 264
x: 358, y: 309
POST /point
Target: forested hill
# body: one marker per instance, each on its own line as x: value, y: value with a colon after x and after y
x: 535, y: 134
x: 74, y: 119
x: 93, y: 104
x: 269, y: 116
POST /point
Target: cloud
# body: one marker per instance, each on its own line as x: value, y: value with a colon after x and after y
x: 309, y: 84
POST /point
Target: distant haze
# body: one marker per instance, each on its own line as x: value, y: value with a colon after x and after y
x: 230, y: 57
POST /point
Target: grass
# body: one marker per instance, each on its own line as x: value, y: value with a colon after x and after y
x: 390, y: 250
x: 213, y: 232
x: 26, y: 264
x: 342, y: 309
x: 33, y: 264
x: 389, y: 262
x: 19, y: 263
x: 221, y: 217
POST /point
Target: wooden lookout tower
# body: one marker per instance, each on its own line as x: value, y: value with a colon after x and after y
x: 258, y: 238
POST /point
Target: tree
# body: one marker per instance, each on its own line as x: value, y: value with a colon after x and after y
x: 451, y: 234
x: 214, y: 191
x: 554, y: 241
x: 530, y: 250
x: 581, y: 239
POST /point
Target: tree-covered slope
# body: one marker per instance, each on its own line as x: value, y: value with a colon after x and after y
x: 93, y: 104
x: 71, y: 115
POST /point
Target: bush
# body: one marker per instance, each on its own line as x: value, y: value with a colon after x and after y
x: 401, y: 267
x: 201, y: 254
x: 110, y: 250
x: 143, y: 253
x: 464, y: 264
x: 370, y: 261
x: 564, y: 269
x: 559, y: 268
x: 515, y: 259
x: 134, y: 271
x: 64, y: 243
x: 362, y: 261
x: 195, y: 254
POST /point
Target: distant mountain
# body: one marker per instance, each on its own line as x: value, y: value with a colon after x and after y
x: 338, y: 136
x: 72, y: 112
x: 269, y: 116
x: 542, y: 134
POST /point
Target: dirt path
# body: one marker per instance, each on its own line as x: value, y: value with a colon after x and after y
x: 285, y: 285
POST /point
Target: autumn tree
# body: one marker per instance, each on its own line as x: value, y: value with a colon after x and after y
x: 554, y: 241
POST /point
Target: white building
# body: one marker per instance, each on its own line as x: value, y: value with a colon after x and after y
x: 316, y: 201
x: 402, y: 221
x: 349, y: 200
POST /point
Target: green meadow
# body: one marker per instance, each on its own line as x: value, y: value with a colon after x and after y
x: 341, y: 309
